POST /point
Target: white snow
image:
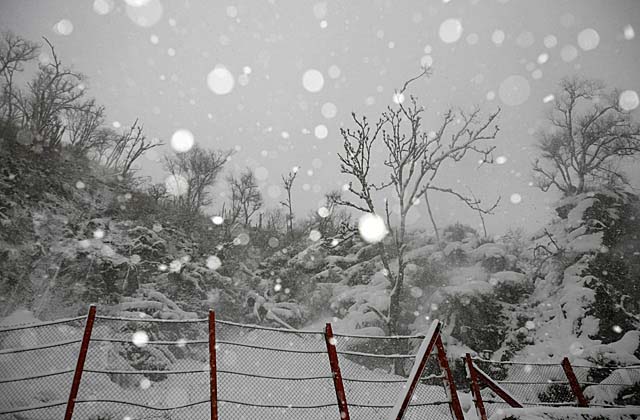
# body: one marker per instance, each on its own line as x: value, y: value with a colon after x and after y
x: 565, y: 413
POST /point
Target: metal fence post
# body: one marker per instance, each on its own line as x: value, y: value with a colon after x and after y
x: 450, y: 385
x: 575, y: 385
x: 424, y: 351
x: 495, y: 387
x: 335, y: 372
x: 82, y: 356
x: 213, y: 378
x: 475, y: 388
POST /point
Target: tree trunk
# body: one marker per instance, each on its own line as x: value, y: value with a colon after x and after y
x: 433, y: 221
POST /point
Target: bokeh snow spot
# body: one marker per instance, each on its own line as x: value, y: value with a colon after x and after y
x: 274, y: 242
x: 498, y: 36
x: 588, y: 39
x: 241, y: 239
x: 145, y: 14
x: 220, y: 80
x: 312, y: 80
x: 140, y: 338
x: 628, y: 100
x: 515, y: 198
x: 329, y: 110
x: 628, y: 32
x: 213, y: 262
x: 372, y: 227
x: 321, y: 131
x: 102, y: 7
x: 63, y: 27
x: 334, y: 72
x: 450, y: 30
x: 514, y: 90
x: 568, y: 53
x: 550, y: 41
x: 182, y: 140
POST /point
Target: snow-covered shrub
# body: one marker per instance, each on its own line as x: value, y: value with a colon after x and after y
x: 455, y: 254
x: 557, y: 393
x: 509, y: 286
x: 472, y: 315
x: 493, y: 257
x: 427, y: 274
x: 458, y: 232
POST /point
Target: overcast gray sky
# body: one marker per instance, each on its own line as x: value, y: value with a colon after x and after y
x: 152, y: 62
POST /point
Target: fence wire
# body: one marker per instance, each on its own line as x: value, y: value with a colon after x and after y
x: 546, y: 384
x: 159, y: 369
x: 374, y: 372
x: 610, y: 386
x: 36, y: 368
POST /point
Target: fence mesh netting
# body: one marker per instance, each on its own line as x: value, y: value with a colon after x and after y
x: 157, y: 369
x: 546, y: 384
x: 36, y: 368
x: 368, y: 366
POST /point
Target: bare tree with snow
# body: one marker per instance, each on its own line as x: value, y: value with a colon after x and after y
x: 200, y: 168
x: 15, y: 51
x: 589, y: 137
x: 415, y: 155
x: 246, y: 198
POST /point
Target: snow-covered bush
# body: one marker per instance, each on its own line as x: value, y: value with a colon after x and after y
x: 472, y: 315
x: 457, y: 232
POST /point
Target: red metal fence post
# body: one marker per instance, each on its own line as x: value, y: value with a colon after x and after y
x: 424, y: 351
x: 475, y: 388
x: 335, y: 372
x: 456, y: 408
x: 501, y: 392
x: 82, y: 356
x: 575, y: 385
x: 213, y: 379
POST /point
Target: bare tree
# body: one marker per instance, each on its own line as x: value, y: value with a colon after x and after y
x: 475, y: 205
x: 15, y: 51
x: 288, y: 185
x: 590, y: 135
x: 246, y: 198
x: 157, y: 191
x: 82, y: 126
x: 414, y: 157
x: 199, y: 168
x: 120, y: 151
x: 332, y: 220
x: 54, y: 90
x: 275, y: 220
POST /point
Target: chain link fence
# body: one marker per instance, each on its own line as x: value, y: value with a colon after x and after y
x: 273, y: 374
x: 145, y: 369
x: 546, y: 384
x: 36, y: 368
x: 159, y: 369
x: 610, y: 386
x: 374, y: 371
